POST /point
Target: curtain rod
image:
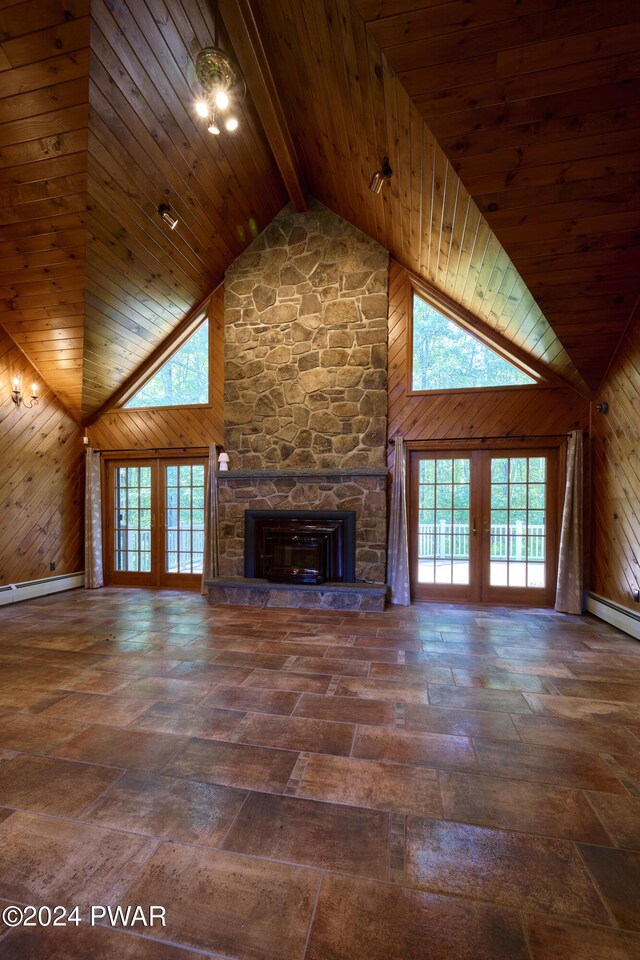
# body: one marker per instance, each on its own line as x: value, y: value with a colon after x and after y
x: 522, y: 436
x: 201, y: 446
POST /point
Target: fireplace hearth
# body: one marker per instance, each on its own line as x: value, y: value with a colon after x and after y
x: 300, y: 547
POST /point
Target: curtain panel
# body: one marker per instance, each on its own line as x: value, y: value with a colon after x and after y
x: 398, y: 550
x: 210, y: 566
x: 569, y: 590
x: 93, y: 572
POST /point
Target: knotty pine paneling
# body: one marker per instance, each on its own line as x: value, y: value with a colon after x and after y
x: 616, y: 476
x: 468, y: 414
x: 347, y: 109
x: 44, y: 84
x: 146, y: 146
x: 535, y: 105
x: 178, y: 427
x: 41, y: 479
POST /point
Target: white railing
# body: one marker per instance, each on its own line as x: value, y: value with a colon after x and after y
x: 451, y: 540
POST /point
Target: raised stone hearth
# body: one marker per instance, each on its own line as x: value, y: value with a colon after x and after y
x: 337, y: 596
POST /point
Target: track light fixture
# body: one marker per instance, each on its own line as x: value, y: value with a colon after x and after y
x: 167, y: 215
x: 381, y: 176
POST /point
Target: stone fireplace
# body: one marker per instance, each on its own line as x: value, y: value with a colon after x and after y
x: 306, y: 395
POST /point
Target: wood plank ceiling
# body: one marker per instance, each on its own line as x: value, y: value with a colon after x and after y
x: 536, y: 105
x: 347, y: 110
x: 97, y: 129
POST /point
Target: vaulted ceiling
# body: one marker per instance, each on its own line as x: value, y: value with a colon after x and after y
x: 511, y: 127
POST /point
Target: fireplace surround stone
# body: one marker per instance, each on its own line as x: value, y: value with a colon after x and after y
x: 306, y: 394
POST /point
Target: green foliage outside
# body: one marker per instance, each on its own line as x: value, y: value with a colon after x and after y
x: 446, y: 357
x: 182, y: 380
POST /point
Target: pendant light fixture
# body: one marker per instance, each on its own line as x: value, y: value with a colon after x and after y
x: 220, y: 87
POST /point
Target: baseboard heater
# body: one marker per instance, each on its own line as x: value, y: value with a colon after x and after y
x: 30, y: 589
x: 614, y: 613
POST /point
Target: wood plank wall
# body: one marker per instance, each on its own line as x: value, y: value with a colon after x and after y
x: 44, y: 108
x: 616, y: 475
x: 469, y: 414
x: 169, y: 428
x: 41, y: 479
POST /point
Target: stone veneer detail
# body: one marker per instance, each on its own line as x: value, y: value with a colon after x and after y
x: 306, y: 346
x: 361, y: 490
x: 306, y: 394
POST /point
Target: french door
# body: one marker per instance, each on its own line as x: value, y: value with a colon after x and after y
x: 483, y: 525
x: 155, y: 522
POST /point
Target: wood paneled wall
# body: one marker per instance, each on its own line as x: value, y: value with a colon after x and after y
x: 41, y: 479
x: 44, y: 108
x: 441, y: 416
x: 616, y: 476
x: 177, y: 427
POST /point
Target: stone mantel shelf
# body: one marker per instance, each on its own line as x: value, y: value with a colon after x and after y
x: 315, y: 473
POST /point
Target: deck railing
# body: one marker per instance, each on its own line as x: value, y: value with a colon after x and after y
x: 508, y: 541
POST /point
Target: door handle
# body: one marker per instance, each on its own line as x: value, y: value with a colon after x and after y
x: 474, y: 529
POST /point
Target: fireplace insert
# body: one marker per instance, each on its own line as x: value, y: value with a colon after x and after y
x: 303, y: 546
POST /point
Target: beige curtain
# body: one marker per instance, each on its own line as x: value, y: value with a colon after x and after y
x: 398, y: 551
x: 570, y: 586
x: 210, y: 561
x: 93, y: 576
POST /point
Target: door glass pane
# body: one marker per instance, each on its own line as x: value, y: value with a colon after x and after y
x: 132, y: 525
x: 444, y: 533
x: 518, y: 521
x: 184, y: 518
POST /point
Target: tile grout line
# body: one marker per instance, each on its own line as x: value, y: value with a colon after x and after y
x: 313, y: 916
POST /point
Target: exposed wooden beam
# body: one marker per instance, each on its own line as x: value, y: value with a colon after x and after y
x: 245, y: 35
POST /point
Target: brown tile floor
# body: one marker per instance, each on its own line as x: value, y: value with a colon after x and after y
x: 440, y: 782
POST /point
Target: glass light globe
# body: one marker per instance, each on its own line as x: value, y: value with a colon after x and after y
x: 231, y: 124
x: 202, y: 109
x: 222, y: 100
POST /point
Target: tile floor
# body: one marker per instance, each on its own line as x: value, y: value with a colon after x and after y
x: 441, y: 782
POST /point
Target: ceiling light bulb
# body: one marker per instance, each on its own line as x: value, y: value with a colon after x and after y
x: 222, y: 100
x: 213, y: 126
x: 231, y: 124
x: 202, y: 109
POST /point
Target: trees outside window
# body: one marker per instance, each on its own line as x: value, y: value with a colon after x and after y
x: 448, y: 357
x: 183, y: 380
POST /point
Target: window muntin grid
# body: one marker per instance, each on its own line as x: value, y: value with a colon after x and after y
x: 518, y: 513
x: 184, y: 518
x: 132, y: 519
x: 444, y: 520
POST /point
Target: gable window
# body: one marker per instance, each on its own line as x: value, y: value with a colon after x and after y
x: 447, y: 356
x: 182, y: 380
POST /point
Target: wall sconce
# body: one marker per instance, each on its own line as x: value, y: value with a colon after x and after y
x: 223, y: 461
x: 16, y: 394
x: 381, y: 176
x: 165, y: 212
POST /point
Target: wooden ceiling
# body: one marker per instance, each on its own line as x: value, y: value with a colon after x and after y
x: 97, y: 129
x: 536, y: 103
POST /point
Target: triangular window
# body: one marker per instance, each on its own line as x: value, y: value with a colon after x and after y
x: 182, y: 380
x: 446, y: 356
